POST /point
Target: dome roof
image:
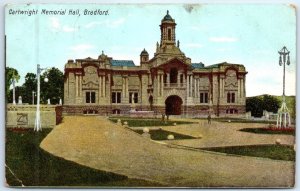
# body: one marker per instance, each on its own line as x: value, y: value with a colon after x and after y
x: 144, y: 52
x: 167, y: 17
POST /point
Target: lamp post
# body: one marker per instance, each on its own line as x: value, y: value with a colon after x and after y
x: 37, y: 124
x: 283, y: 112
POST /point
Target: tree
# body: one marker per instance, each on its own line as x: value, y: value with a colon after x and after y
x: 254, y: 104
x: 19, y: 90
x: 54, y: 88
x: 10, y: 74
x: 29, y: 85
x: 270, y: 103
x: 260, y: 103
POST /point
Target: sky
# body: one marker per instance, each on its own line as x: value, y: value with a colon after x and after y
x: 245, y: 34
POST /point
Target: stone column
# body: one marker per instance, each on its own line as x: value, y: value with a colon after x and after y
x: 158, y: 85
x: 103, y: 86
x: 195, y: 87
x: 67, y: 88
x: 126, y: 87
x: 123, y: 86
x: 80, y: 86
x: 99, y: 90
x: 191, y: 85
x: 242, y: 87
x: 187, y: 86
x: 76, y: 85
x: 178, y: 78
x: 168, y: 79
x: 162, y: 84
x: 239, y: 88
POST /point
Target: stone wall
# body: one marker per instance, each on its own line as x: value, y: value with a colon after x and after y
x: 23, y: 116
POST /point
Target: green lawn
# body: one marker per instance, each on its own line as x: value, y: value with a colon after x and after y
x: 35, y: 167
x: 278, y: 152
x: 239, y: 120
x: 160, y: 134
x: 134, y: 122
x: 268, y: 131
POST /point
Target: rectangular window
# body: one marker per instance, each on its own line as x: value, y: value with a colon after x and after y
x: 87, y: 97
x: 113, y: 97
x: 93, y: 97
x: 134, y: 96
x: 204, y: 97
x: 116, y: 97
x: 230, y: 97
x: 90, y: 97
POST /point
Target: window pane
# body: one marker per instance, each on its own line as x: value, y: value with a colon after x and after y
x: 232, y: 97
x: 93, y: 99
x: 113, y: 97
x: 228, y: 97
x: 130, y: 97
x: 201, y: 97
x: 206, y: 97
x: 136, y: 97
x: 87, y: 97
x: 118, y: 97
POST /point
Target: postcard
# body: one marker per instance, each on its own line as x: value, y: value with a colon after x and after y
x: 150, y: 95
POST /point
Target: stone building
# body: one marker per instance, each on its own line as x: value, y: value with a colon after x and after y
x: 167, y: 83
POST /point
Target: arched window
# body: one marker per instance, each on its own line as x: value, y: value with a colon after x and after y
x: 169, y: 34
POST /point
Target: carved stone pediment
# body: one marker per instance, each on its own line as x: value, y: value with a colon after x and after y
x: 90, y: 76
x: 231, y: 79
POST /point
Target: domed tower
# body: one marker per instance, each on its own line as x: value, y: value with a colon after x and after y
x: 144, y: 57
x: 167, y: 29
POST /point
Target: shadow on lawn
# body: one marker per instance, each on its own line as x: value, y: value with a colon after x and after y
x: 36, y: 167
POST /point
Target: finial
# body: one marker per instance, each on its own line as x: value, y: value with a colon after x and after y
x: 144, y: 49
x: 102, y: 52
x: 167, y: 12
x: 178, y: 43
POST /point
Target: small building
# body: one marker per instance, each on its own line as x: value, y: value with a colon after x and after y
x: 168, y: 83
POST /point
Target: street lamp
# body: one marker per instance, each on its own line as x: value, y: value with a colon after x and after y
x: 37, y: 124
x: 283, y: 112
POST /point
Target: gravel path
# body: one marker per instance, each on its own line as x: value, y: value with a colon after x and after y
x: 96, y: 142
x: 225, y: 134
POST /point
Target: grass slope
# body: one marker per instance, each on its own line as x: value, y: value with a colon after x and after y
x: 163, y: 134
x: 35, y: 167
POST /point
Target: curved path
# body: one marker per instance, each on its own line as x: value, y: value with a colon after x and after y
x: 224, y: 134
x: 96, y: 142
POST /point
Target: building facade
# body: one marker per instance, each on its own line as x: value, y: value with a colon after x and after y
x: 169, y: 83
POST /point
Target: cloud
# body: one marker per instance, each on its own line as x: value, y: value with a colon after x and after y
x: 223, y: 39
x: 106, y: 23
x: 54, y: 23
x: 56, y: 26
x: 82, y: 47
x: 193, y: 45
x: 68, y: 29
